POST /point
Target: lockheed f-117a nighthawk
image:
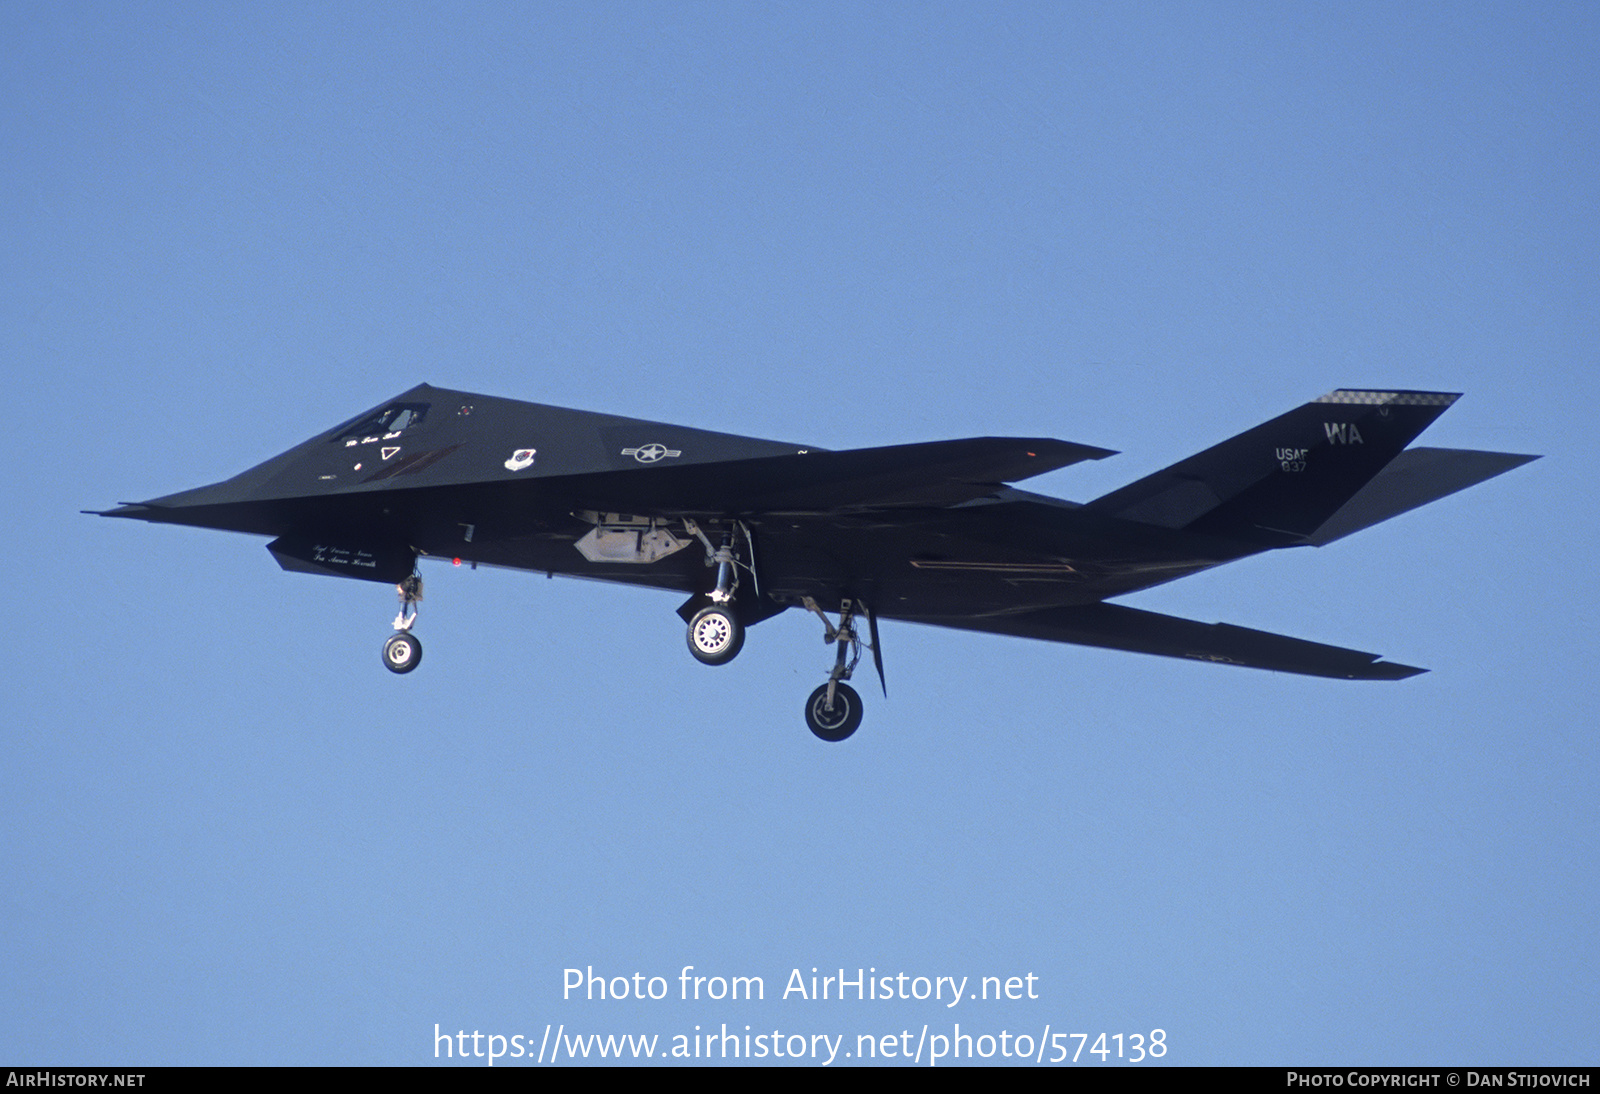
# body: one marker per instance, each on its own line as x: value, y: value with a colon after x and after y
x: 747, y: 528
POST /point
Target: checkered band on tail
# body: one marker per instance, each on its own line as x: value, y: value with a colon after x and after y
x: 1391, y: 398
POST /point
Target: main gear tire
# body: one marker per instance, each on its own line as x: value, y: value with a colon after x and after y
x: 715, y: 636
x: 837, y: 722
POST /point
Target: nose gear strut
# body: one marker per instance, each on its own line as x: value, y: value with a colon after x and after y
x: 403, y: 652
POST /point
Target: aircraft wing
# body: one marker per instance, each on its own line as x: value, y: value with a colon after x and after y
x: 1113, y: 626
x: 932, y: 474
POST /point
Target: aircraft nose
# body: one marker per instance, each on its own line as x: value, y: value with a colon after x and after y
x: 123, y: 509
x: 197, y: 506
x: 183, y: 499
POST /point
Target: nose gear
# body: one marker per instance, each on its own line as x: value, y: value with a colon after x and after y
x: 403, y: 651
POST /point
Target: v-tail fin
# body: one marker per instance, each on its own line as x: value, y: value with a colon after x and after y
x: 1281, y: 481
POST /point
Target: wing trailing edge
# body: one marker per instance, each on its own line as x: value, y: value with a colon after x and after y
x: 1115, y: 627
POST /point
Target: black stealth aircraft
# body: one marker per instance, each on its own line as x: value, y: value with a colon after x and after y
x: 746, y: 528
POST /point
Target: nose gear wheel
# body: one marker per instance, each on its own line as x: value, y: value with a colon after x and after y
x: 402, y: 652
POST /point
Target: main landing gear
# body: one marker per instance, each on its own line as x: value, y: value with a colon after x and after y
x: 403, y: 652
x: 716, y: 634
x: 834, y: 710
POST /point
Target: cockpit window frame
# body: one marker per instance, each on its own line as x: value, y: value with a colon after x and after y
x: 379, y: 426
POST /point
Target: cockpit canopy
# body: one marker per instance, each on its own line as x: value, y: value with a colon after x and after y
x: 387, y: 424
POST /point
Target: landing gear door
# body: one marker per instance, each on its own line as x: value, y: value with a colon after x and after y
x: 341, y: 558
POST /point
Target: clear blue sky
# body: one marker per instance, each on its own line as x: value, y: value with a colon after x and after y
x: 231, y: 837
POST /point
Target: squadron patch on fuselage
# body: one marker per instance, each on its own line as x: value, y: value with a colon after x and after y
x: 522, y: 457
